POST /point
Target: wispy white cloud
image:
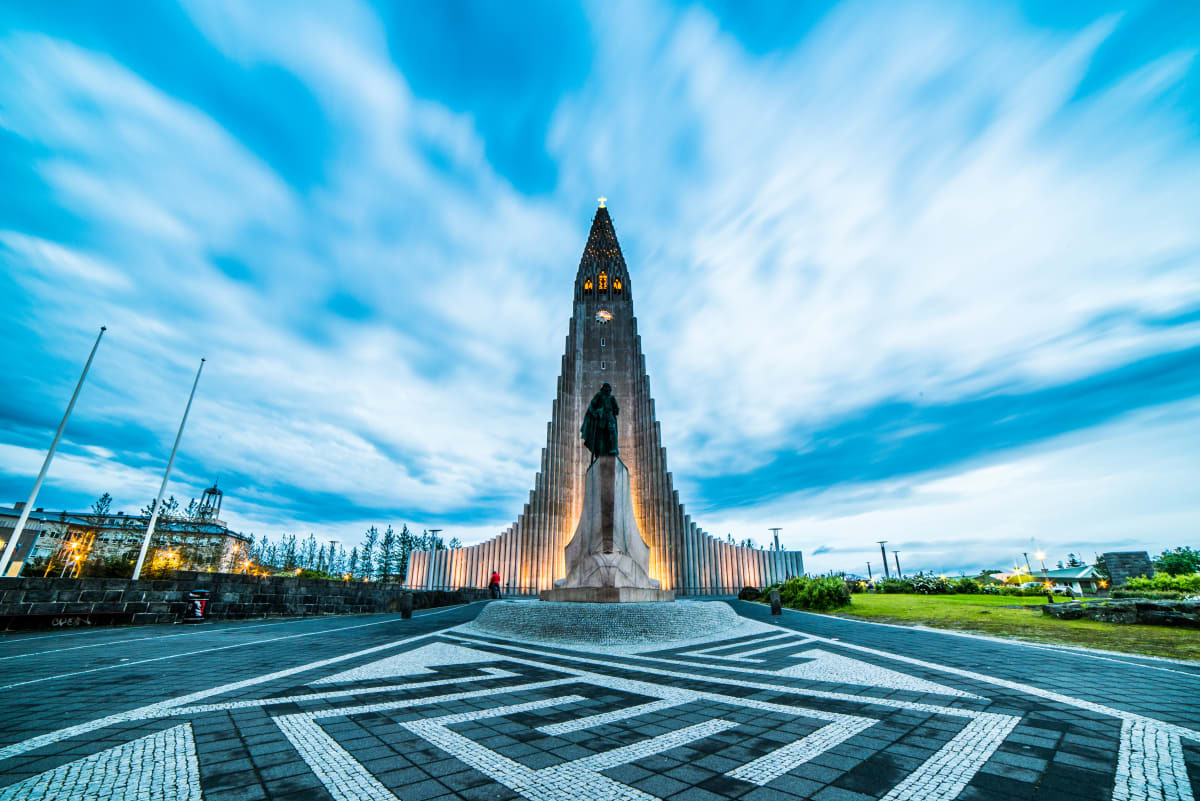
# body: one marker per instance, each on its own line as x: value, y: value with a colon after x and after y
x: 908, y: 205
x: 1118, y: 487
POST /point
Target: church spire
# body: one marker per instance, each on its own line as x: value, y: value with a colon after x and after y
x: 602, y: 267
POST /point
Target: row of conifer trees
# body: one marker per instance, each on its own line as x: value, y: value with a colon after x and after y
x: 379, y: 557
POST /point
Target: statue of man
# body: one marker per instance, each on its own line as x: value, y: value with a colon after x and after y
x: 599, y: 430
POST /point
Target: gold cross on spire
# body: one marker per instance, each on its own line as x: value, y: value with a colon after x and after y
x: 602, y: 200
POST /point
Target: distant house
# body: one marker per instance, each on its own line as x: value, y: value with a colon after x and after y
x: 1085, y: 576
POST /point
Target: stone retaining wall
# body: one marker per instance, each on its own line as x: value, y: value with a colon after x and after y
x: 38, y: 602
x: 1133, y: 610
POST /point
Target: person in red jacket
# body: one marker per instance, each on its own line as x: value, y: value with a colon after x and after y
x: 494, y: 584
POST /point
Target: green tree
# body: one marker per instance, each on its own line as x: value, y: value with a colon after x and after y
x: 352, y: 563
x: 1178, y: 562
x: 405, y: 543
x: 308, y: 560
x: 259, y: 550
x: 366, y: 561
x: 100, y: 510
x: 288, y: 557
x: 387, y: 555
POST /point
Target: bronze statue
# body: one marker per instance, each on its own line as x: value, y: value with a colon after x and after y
x: 599, y: 430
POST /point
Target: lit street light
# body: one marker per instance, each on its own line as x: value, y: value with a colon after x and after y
x: 1041, y: 555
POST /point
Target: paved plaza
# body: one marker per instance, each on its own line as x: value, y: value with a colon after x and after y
x: 375, y: 707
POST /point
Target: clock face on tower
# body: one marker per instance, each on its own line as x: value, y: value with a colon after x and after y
x: 603, y: 316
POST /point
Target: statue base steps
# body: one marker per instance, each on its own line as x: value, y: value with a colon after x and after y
x: 607, y: 595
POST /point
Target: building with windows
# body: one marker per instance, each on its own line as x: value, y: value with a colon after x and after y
x: 603, y: 346
x: 198, y: 541
x: 1082, y: 579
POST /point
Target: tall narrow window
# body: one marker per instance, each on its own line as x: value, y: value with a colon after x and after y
x: 602, y: 342
x: 616, y: 284
x: 587, y: 285
x: 603, y: 281
x: 603, y: 365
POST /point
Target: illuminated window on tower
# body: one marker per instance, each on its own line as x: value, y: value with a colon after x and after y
x: 603, y: 281
x: 616, y: 284
x: 587, y: 285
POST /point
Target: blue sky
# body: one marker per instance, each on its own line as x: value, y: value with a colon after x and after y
x: 921, y: 272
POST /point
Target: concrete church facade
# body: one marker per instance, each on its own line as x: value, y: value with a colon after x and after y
x: 603, y: 345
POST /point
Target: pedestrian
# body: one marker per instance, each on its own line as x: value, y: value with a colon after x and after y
x: 494, y: 585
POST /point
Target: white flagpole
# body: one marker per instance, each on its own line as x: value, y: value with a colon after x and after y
x: 11, y: 545
x: 137, y: 570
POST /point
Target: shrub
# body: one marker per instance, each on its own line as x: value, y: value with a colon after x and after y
x: 995, y: 589
x: 802, y: 592
x: 108, y: 567
x: 1149, y: 595
x: 966, y: 586
x: 309, y: 573
x: 748, y: 594
x: 892, y: 585
x: 1165, y: 582
x: 930, y: 585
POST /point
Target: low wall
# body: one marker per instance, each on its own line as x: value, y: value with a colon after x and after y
x: 39, y: 602
x: 1157, y: 613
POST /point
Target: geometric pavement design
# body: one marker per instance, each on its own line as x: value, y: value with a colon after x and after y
x: 777, y: 714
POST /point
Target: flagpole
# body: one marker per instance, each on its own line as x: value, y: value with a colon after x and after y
x: 11, y: 545
x: 137, y: 570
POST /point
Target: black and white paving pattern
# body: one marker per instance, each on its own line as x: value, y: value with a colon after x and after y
x: 375, y: 707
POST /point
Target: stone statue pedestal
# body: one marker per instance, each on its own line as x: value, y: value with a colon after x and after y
x: 607, y: 559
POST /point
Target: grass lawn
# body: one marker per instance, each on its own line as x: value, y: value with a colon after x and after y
x: 987, y: 614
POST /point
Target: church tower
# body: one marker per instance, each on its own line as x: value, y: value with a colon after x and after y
x: 603, y: 345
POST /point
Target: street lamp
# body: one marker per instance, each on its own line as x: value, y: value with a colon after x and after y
x: 886, y: 575
x: 1041, y: 556
x: 896, y: 554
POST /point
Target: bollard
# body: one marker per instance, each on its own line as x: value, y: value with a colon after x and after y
x: 776, y: 604
x: 406, y: 601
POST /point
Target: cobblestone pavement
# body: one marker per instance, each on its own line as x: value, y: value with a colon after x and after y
x: 375, y: 707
